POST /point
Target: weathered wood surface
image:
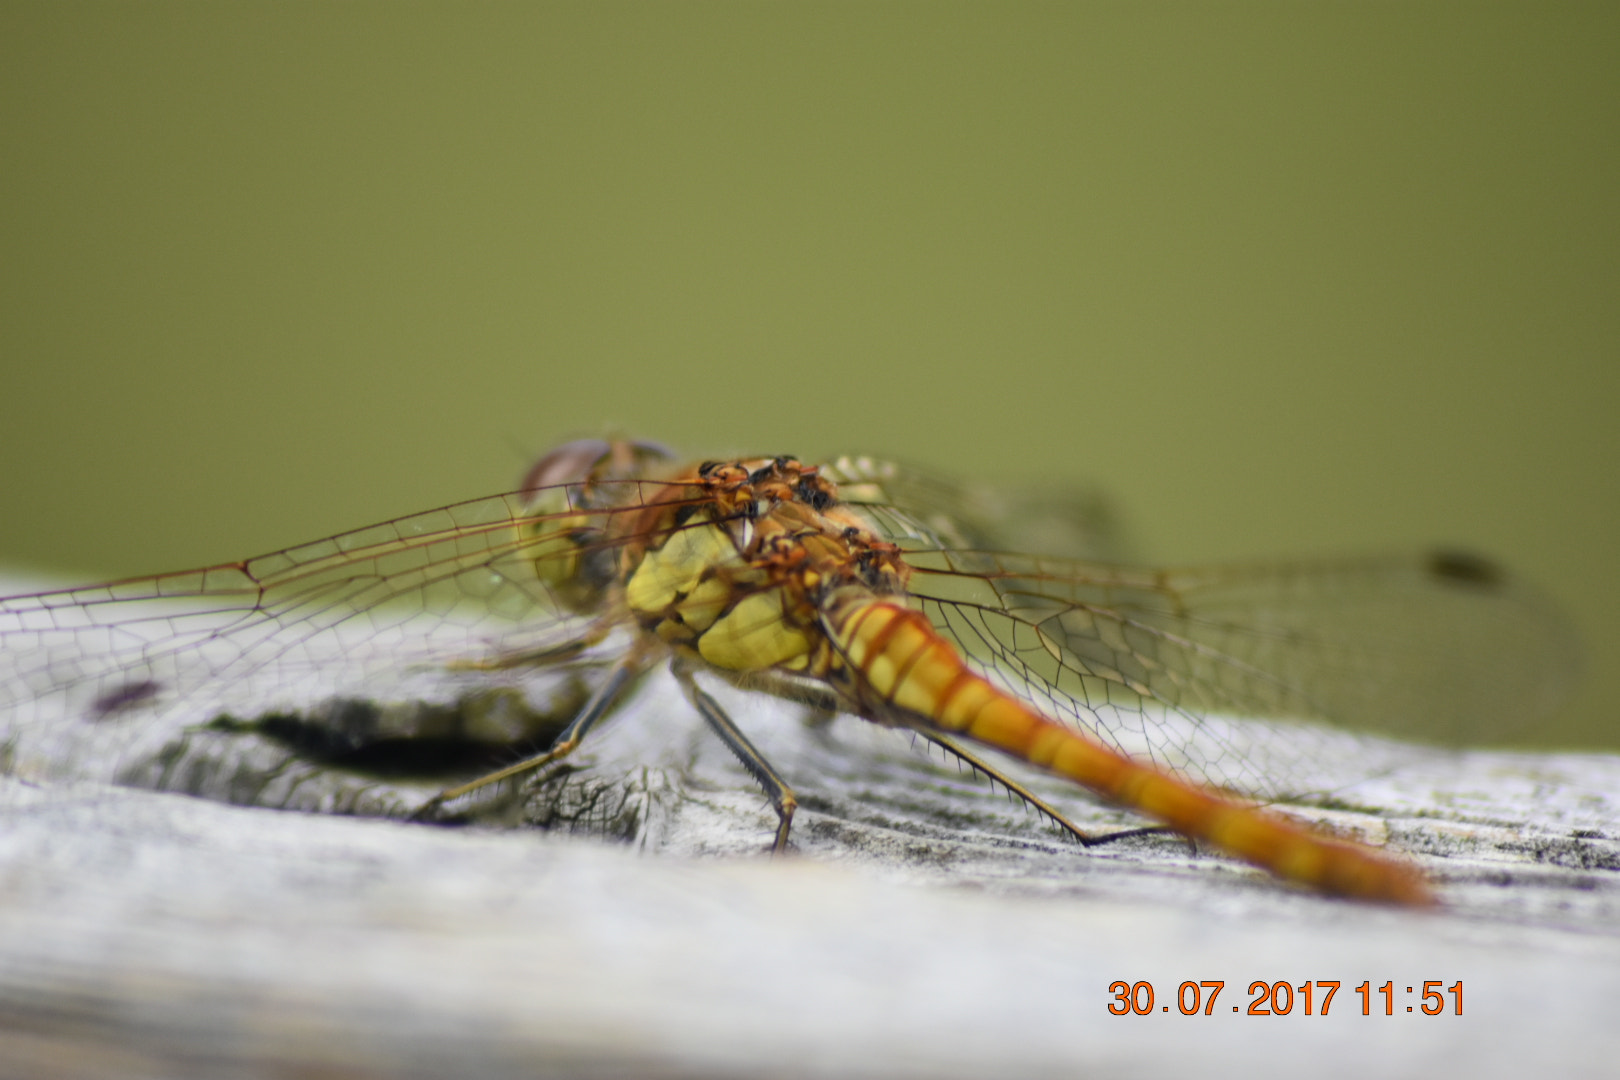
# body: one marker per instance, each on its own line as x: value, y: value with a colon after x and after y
x: 925, y: 926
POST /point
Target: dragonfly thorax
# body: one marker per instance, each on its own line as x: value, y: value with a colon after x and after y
x: 742, y: 559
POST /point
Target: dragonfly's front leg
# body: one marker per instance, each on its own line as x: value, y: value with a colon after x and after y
x: 776, y: 789
x: 544, y: 656
x: 567, y: 741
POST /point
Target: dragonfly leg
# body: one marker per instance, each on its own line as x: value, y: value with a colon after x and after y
x: 776, y: 789
x: 567, y: 740
x: 540, y: 657
x: 1028, y: 797
x: 821, y: 704
x: 825, y: 704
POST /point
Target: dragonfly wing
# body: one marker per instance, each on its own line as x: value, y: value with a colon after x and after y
x: 88, y: 674
x: 1442, y: 648
x: 1070, y: 521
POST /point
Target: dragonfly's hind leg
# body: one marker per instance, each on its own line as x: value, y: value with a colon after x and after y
x: 776, y: 789
x: 567, y: 741
x: 1028, y: 797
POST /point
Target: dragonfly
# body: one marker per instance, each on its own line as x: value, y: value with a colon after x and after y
x: 853, y: 586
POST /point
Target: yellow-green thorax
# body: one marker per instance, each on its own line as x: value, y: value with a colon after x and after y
x: 741, y: 569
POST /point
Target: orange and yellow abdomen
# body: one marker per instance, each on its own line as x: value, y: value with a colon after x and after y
x: 905, y: 662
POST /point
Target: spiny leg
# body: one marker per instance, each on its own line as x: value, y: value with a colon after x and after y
x: 543, y: 656
x: 826, y: 704
x: 776, y: 789
x: 567, y: 741
x: 951, y: 746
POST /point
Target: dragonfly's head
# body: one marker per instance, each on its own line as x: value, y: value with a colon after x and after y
x: 569, y: 495
x: 592, y: 460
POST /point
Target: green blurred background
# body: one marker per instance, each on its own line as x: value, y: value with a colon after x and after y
x: 1284, y: 278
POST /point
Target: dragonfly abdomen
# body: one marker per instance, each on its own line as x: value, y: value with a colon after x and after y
x: 911, y: 668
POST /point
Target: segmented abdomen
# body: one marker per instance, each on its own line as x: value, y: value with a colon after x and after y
x: 904, y: 662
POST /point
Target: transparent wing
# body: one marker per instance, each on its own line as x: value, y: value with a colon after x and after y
x: 1439, y: 647
x: 1159, y: 663
x: 1065, y: 520
x: 89, y: 674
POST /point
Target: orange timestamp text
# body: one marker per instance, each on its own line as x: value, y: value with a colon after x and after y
x: 1311, y: 998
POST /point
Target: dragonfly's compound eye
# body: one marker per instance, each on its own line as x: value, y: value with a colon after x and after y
x: 584, y: 460
x: 570, y: 463
x: 649, y: 451
x: 565, y: 493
